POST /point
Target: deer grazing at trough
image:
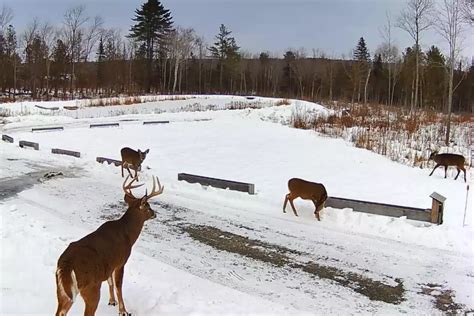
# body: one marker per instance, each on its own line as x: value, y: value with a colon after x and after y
x: 102, y: 255
x: 306, y: 190
x: 132, y: 158
x: 448, y: 160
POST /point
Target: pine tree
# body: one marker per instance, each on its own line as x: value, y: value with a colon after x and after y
x: 434, y: 77
x: 100, y: 63
x: 361, y: 53
x: 226, y: 50
x: 153, y: 24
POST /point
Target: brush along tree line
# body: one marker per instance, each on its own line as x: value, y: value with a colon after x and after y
x: 81, y: 57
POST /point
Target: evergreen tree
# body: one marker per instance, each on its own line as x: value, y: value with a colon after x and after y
x: 434, y: 79
x: 361, y: 53
x: 378, y: 77
x: 288, y: 77
x: 59, y: 65
x: 100, y: 63
x: 226, y: 50
x: 362, y: 68
x: 153, y: 24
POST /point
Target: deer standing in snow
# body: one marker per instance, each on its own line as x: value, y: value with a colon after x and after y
x: 132, y: 158
x: 448, y: 160
x: 102, y: 255
x: 306, y: 190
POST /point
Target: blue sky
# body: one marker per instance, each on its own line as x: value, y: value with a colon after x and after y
x: 333, y: 26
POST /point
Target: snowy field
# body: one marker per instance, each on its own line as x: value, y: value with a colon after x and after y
x: 171, y: 271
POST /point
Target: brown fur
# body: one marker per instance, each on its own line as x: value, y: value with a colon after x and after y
x: 446, y: 160
x: 101, y: 256
x: 306, y: 190
x: 132, y: 158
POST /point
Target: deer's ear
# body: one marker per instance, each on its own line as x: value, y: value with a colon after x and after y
x: 142, y: 202
x: 139, y: 151
x: 147, y: 151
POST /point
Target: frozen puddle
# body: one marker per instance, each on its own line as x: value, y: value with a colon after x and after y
x: 10, y: 187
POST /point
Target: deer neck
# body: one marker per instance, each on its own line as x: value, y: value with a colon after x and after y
x: 133, y: 223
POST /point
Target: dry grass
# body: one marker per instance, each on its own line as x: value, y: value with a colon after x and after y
x: 130, y: 100
x: 393, y: 132
x: 283, y: 102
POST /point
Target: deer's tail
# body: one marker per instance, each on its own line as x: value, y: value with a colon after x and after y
x: 66, y: 282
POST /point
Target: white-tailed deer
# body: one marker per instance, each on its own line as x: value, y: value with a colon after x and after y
x: 102, y: 255
x: 306, y: 190
x: 448, y: 160
x: 132, y: 158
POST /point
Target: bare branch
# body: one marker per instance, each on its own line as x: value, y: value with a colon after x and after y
x: 6, y: 16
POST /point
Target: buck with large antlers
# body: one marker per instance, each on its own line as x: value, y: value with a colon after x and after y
x: 132, y: 158
x: 448, y: 160
x: 102, y: 255
x: 306, y: 190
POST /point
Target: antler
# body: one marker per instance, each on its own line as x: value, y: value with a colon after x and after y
x: 128, y: 188
x: 154, y: 192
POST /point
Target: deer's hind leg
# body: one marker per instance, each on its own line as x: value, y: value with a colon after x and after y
x: 91, y: 296
x: 459, y: 171
x: 445, y: 171
x: 316, y: 210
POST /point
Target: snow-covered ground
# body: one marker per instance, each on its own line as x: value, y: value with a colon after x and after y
x: 170, y: 272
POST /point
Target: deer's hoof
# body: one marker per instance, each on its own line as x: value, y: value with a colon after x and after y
x: 112, y: 303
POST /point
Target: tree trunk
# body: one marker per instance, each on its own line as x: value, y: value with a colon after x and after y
x: 450, y: 98
x: 176, y: 68
x: 366, y: 84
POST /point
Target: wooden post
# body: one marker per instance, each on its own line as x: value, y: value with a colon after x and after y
x: 437, y: 207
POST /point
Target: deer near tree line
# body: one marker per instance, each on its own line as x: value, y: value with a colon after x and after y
x: 448, y: 160
x: 306, y: 190
x: 102, y: 255
x: 132, y: 158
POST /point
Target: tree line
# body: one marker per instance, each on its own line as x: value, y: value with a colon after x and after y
x: 81, y: 57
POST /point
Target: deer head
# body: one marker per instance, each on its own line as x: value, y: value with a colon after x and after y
x: 433, y: 154
x: 141, y: 204
x: 143, y: 154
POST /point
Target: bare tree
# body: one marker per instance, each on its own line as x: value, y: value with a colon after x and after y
x: 92, y: 35
x: 415, y: 19
x: 183, y: 42
x: 74, y: 19
x: 450, y: 22
x: 6, y: 16
x: 468, y: 11
x: 201, y: 49
x: 48, y: 35
x: 389, y: 54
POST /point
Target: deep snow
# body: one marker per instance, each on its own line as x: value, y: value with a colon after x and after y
x: 241, y: 145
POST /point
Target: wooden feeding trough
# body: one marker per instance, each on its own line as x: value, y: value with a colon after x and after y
x: 104, y: 125
x: 66, y: 152
x: 7, y: 138
x: 45, y: 129
x: 155, y: 122
x: 109, y: 161
x: 218, y: 183
x: 433, y: 215
x: 24, y: 143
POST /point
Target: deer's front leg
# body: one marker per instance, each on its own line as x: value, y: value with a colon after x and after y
x: 118, y: 279
x: 112, y: 300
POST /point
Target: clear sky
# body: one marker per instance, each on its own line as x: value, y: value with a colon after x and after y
x: 333, y: 26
